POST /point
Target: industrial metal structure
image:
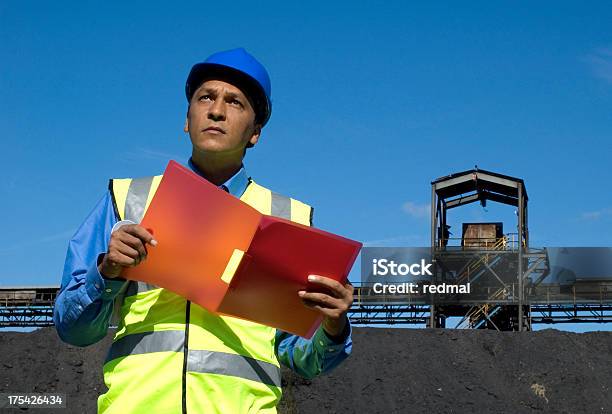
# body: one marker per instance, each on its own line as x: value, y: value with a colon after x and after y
x: 27, y: 306
x: 512, y: 281
x: 33, y: 307
x: 514, y: 285
x: 482, y: 254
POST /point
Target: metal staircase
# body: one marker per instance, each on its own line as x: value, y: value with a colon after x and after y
x: 479, y: 314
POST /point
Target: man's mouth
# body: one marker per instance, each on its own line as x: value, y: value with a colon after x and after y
x: 214, y: 130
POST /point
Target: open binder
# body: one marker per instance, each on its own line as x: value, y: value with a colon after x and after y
x: 229, y: 258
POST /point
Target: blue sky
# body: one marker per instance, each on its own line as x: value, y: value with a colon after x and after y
x: 371, y: 101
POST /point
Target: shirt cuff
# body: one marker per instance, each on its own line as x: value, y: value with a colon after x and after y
x: 121, y: 224
x: 322, y: 341
x: 99, y: 287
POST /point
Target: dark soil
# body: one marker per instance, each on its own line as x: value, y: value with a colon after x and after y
x: 390, y: 371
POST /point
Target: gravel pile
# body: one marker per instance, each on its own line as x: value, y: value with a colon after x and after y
x: 390, y: 371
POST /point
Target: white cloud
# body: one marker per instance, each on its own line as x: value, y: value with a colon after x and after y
x: 26, y: 244
x: 601, y: 63
x: 150, y: 154
x: 416, y: 210
x: 158, y: 155
x: 597, y: 214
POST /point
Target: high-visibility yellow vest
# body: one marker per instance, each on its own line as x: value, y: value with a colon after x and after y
x: 172, y: 356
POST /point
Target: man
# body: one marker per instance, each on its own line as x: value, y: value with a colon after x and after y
x: 170, y: 355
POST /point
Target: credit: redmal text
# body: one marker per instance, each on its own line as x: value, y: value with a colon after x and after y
x: 413, y: 288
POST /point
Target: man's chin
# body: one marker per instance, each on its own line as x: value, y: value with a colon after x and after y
x: 209, y: 145
x: 213, y: 149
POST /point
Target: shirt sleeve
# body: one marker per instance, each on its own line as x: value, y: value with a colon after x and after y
x: 315, y: 356
x: 84, y: 304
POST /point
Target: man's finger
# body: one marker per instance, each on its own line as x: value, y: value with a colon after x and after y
x: 119, y: 259
x: 130, y: 252
x: 140, y: 232
x: 322, y: 299
x: 314, y: 305
x: 330, y: 312
x: 335, y: 287
x: 133, y: 242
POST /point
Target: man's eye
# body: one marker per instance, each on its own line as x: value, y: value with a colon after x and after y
x: 236, y: 102
x: 205, y: 98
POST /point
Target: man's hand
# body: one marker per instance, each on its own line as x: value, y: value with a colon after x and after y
x: 127, y: 248
x: 334, y: 304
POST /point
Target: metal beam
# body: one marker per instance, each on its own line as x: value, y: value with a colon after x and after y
x: 453, y: 181
x: 486, y: 195
x: 497, y: 180
x: 462, y: 200
x: 366, y: 310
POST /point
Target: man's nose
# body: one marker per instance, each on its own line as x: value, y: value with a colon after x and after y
x: 216, y: 111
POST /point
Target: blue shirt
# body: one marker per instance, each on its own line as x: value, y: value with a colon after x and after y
x: 85, y: 302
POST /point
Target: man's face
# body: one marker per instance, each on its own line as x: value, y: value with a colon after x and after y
x: 221, y: 119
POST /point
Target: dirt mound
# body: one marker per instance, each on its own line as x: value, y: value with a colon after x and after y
x: 453, y: 371
x: 390, y: 371
x: 39, y: 362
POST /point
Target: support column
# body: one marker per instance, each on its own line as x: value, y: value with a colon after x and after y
x: 434, y: 207
x: 521, y: 231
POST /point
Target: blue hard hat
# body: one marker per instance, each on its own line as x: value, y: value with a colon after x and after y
x: 239, y: 68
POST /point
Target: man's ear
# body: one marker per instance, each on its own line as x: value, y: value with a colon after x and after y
x: 186, y: 127
x: 255, y: 137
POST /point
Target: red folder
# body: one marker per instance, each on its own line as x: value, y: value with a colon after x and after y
x: 227, y: 257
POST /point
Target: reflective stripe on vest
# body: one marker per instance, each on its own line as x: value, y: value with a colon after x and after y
x: 135, y: 203
x: 137, y: 198
x: 210, y: 362
x: 132, y: 207
x: 146, y: 342
x: 281, y: 206
x: 202, y: 361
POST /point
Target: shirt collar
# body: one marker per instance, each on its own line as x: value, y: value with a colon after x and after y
x: 237, y: 183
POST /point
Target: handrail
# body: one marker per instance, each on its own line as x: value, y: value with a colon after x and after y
x: 500, y: 245
x: 476, y: 312
x: 510, y: 241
